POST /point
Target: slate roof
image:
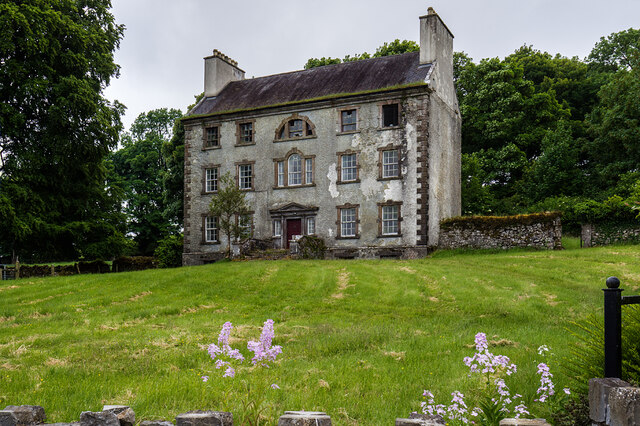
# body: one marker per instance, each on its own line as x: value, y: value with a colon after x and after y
x: 349, y: 77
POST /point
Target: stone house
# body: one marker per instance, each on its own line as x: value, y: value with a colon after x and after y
x: 364, y: 154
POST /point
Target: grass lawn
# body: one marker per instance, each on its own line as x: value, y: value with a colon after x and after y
x: 361, y: 339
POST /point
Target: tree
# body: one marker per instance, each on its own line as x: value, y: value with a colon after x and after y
x: 56, y: 57
x: 141, y: 169
x: 229, y: 206
x: 395, y: 47
x: 619, y: 51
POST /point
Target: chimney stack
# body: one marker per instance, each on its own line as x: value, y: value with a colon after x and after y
x: 436, y: 41
x: 219, y: 70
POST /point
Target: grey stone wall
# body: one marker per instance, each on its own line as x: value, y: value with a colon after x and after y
x: 604, y: 234
x: 533, y: 231
x: 613, y: 402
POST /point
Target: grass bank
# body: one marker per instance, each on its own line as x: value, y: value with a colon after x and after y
x: 361, y: 339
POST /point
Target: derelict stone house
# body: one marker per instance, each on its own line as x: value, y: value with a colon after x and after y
x: 364, y: 154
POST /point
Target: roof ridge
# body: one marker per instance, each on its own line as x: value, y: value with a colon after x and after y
x: 325, y: 67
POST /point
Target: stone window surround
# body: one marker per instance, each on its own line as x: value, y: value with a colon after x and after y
x: 389, y: 147
x: 381, y: 114
x: 253, y: 173
x: 285, y: 124
x: 285, y: 159
x: 339, y: 166
x: 389, y: 203
x: 339, y: 120
x: 208, y: 125
x: 204, y: 241
x: 339, y: 221
x: 239, y: 141
x: 204, y: 177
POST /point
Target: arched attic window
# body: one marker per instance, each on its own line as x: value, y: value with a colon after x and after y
x: 295, y: 127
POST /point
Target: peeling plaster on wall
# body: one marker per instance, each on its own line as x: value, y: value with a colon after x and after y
x: 393, y: 191
x: 332, y: 175
x: 330, y: 232
x: 369, y: 187
x: 410, y: 134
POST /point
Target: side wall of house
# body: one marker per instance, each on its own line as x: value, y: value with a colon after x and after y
x: 327, y: 193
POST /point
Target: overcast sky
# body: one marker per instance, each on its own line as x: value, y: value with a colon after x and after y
x: 165, y: 40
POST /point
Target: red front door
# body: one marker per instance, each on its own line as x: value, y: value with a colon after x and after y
x: 294, y: 227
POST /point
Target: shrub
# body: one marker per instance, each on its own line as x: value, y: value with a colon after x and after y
x: 311, y: 247
x: 94, y: 267
x: 133, y: 263
x: 169, y: 251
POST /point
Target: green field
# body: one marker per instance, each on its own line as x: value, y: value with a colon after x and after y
x: 361, y: 339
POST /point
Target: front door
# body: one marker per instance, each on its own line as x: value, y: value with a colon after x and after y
x: 294, y: 227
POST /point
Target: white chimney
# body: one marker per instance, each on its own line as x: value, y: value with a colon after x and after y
x: 436, y: 48
x: 219, y: 70
x: 436, y: 40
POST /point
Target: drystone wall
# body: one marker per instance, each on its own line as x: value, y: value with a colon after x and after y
x: 539, y: 230
x: 604, y: 234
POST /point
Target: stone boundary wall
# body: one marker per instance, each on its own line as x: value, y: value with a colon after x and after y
x: 594, y: 234
x: 538, y: 230
x: 613, y: 402
x: 120, y: 264
x: 121, y: 415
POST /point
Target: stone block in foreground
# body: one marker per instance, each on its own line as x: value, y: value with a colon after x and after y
x: 204, y: 418
x: 304, y: 418
x: 156, y: 423
x: 524, y: 422
x: 99, y: 418
x: 125, y: 414
x: 599, y: 390
x: 624, y: 406
x: 27, y: 414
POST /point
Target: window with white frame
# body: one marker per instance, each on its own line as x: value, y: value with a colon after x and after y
x: 245, y: 176
x: 211, y: 179
x: 295, y: 170
x: 390, y: 164
x: 348, y: 167
x: 280, y: 173
x: 390, y: 215
x: 308, y: 170
x: 211, y: 229
x: 311, y: 225
x: 348, y: 218
x: 277, y: 228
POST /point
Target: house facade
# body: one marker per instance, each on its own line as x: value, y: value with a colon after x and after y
x: 365, y: 154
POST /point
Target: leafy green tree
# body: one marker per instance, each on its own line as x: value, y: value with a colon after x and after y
x: 556, y: 172
x: 141, y: 168
x: 56, y: 127
x: 619, y: 51
x: 230, y: 207
x: 395, y: 47
x: 615, y: 128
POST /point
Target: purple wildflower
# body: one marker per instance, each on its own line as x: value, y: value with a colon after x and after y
x: 229, y: 372
x: 205, y: 378
x: 263, y: 351
x: 274, y: 386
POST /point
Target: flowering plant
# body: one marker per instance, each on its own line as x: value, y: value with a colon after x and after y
x: 228, y: 359
x: 496, y: 400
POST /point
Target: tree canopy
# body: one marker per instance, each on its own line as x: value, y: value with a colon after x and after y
x: 56, y: 127
x: 395, y: 47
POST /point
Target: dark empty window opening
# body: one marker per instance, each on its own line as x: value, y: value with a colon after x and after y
x: 390, y: 115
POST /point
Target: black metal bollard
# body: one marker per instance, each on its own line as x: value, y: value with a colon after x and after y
x: 612, y: 328
x: 613, y: 301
